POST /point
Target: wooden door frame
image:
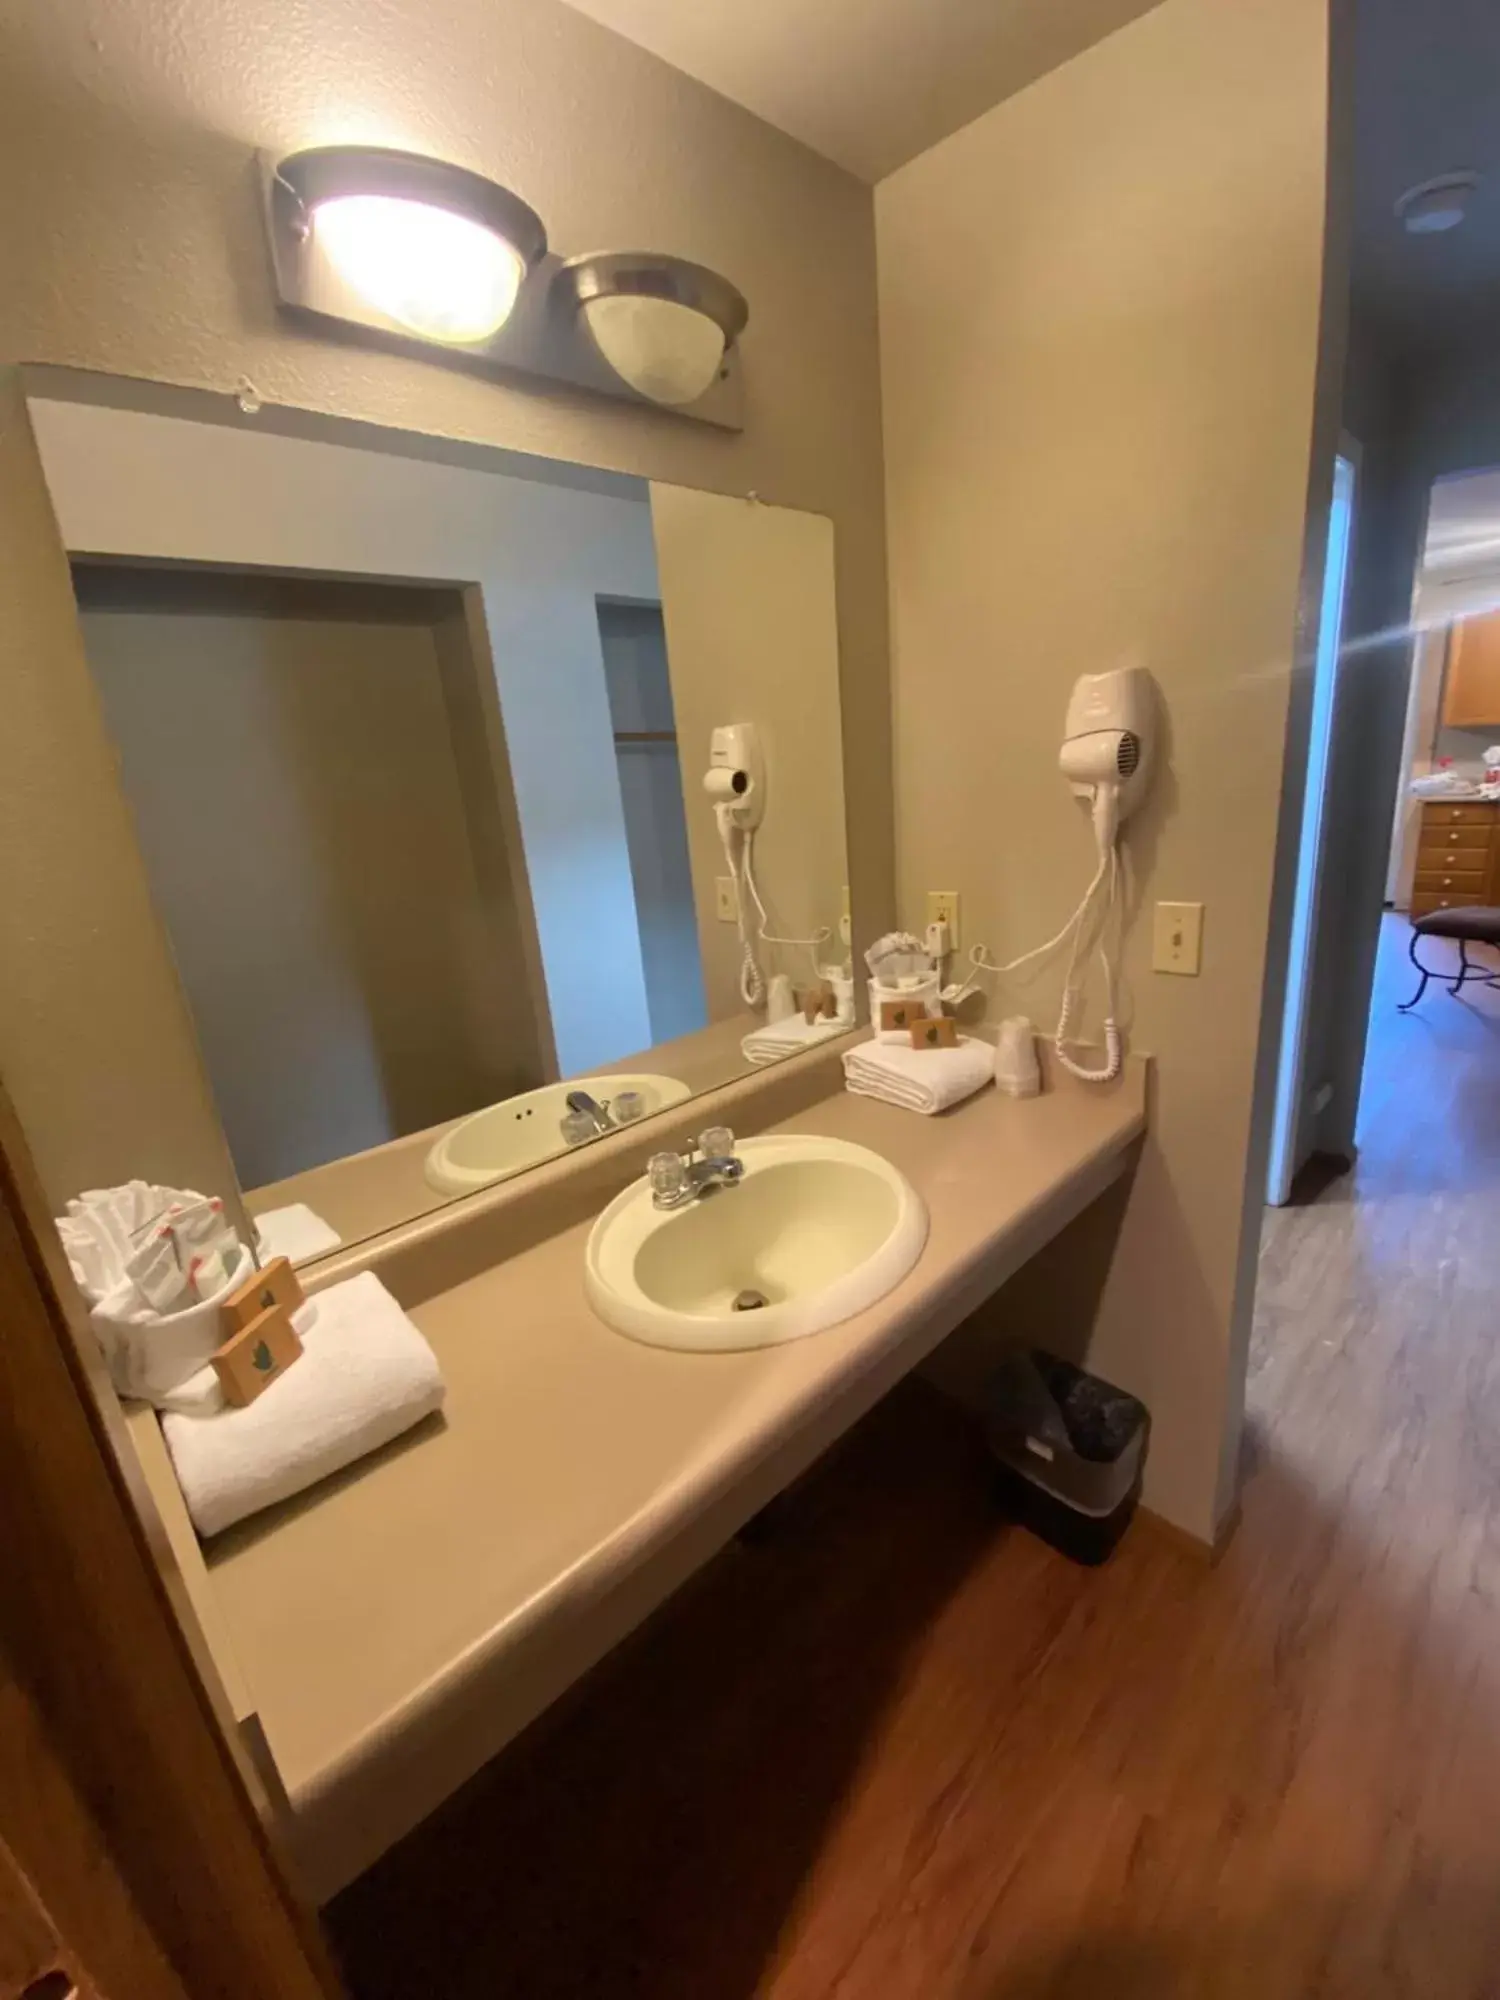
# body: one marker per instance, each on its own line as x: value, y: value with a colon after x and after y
x: 121, y: 1798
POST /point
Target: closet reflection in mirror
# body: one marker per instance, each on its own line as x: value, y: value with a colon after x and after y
x: 415, y: 748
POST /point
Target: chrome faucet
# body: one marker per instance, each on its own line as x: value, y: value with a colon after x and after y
x: 581, y: 1105
x: 678, y: 1180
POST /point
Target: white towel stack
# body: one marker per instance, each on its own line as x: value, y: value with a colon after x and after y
x: 925, y: 1080
x: 779, y: 1039
x: 365, y: 1375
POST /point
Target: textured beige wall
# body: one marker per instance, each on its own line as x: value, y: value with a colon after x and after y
x: 133, y: 245
x: 752, y: 636
x: 1099, y: 329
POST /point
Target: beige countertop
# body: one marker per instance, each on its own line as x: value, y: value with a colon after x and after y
x: 398, y: 1625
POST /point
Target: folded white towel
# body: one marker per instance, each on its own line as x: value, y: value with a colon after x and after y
x: 779, y: 1039
x: 365, y: 1376
x: 295, y: 1232
x: 926, y: 1080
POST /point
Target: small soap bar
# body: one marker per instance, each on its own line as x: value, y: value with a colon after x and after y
x: 250, y: 1360
x: 900, y: 1014
x: 276, y: 1285
x: 935, y: 1031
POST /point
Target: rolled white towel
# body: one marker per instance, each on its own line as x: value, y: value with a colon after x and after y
x: 926, y: 1080
x: 296, y: 1232
x: 779, y: 1039
x: 365, y: 1376
x: 154, y: 1356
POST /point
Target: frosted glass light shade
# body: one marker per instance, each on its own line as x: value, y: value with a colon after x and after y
x: 441, y: 274
x: 667, y: 351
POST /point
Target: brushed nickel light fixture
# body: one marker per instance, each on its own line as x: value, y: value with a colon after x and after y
x: 427, y: 255
x: 662, y: 323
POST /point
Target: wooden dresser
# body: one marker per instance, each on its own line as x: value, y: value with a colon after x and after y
x: 1458, y: 855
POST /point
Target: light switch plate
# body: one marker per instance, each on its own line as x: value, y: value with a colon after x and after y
x: 942, y: 908
x: 724, y: 907
x: 1177, y: 939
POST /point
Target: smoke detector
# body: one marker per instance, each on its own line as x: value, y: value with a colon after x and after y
x: 1433, y: 206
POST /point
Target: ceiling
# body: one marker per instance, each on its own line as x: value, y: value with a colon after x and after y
x: 868, y: 83
x: 872, y: 83
x: 1427, y: 102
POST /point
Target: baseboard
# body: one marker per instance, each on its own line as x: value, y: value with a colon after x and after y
x: 1205, y: 1552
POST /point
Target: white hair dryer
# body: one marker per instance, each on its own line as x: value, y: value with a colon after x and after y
x: 1109, y: 740
x: 1106, y: 757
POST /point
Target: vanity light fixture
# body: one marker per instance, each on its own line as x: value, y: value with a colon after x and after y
x: 439, y: 250
x: 663, y: 324
x: 432, y: 258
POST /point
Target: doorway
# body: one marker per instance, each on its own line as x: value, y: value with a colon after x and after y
x: 1293, y: 1112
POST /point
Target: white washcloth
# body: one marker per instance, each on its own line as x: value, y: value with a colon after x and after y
x: 779, y: 1039
x: 365, y: 1376
x: 295, y: 1232
x: 926, y: 1080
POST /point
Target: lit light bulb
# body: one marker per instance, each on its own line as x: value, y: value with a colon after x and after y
x: 440, y: 274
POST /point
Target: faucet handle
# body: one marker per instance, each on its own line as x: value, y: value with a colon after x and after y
x: 667, y: 1173
x: 716, y: 1143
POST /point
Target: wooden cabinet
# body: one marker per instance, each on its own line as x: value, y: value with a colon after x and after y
x: 1471, y: 681
x: 1458, y: 856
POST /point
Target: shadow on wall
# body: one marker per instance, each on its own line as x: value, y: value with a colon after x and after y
x: 1054, y: 1296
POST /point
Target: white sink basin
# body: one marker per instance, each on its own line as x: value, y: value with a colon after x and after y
x: 505, y: 1137
x: 818, y: 1228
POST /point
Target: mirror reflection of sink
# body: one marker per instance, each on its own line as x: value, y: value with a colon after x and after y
x: 520, y: 1131
x: 817, y: 1230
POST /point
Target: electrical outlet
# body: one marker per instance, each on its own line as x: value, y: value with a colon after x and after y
x: 1177, y: 939
x: 942, y: 908
x: 724, y: 905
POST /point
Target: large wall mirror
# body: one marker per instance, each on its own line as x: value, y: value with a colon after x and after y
x: 414, y: 742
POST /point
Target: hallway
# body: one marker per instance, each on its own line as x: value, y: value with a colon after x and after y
x: 896, y: 1751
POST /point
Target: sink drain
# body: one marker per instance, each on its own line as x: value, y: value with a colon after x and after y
x: 749, y: 1302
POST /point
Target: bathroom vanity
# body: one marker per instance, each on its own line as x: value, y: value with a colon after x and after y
x: 447, y: 866
x: 397, y: 1627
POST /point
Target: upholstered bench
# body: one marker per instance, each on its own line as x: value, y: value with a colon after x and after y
x: 1477, y: 924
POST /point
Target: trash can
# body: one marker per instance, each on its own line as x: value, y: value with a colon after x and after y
x: 1069, y: 1452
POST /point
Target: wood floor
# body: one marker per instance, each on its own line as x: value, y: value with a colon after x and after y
x: 896, y: 1751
